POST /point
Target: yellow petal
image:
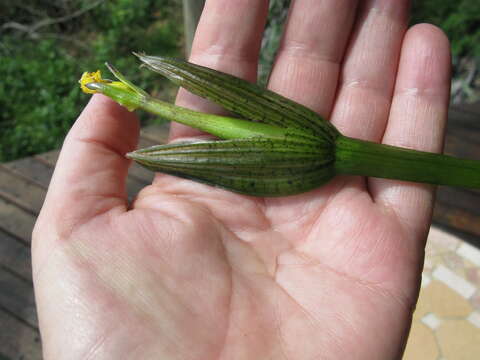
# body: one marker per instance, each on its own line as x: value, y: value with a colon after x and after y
x: 91, y: 77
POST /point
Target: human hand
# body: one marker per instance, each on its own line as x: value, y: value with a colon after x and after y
x: 194, y: 272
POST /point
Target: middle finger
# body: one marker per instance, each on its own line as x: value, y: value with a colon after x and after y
x: 369, y: 70
x: 308, y: 62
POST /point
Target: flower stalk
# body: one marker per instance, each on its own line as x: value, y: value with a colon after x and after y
x: 273, y: 146
x: 358, y: 157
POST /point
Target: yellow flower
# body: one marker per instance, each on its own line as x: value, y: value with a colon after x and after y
x: 96, y: 77
x: 90, y: 77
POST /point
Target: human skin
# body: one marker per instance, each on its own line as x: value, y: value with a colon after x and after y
x: 189, y: 271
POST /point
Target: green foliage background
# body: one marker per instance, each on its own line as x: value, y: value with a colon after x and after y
x: 459, y: 19
x: 38, y: 70
x: 461, y: 22
x: 38, y: 97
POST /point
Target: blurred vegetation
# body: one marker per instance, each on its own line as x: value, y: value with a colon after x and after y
x: 461, y: 22
x: 46, y: 45
x: 459, y: 19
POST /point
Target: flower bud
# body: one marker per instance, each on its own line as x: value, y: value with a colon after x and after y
x: 255, y: 166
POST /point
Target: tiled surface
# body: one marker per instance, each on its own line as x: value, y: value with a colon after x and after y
x: 446, y: 322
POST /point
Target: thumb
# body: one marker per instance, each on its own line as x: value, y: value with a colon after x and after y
x: 91, y: 171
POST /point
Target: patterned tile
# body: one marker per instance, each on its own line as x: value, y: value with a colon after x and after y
x: 475, y: 300
x: 455, y: 263
x: 472, y: 274
x: 439, y: 299
x: 446, y: 321
x: 432, y: 321
x: 474, y: 318
x: 432, y: 261
x: 426, y: 280
x: 422, y: 344
x: 459, y: 340
x: 442, y: 240
x: 453, y: 281
x: 469, y: 252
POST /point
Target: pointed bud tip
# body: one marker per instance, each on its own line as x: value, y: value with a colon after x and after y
x: 150, y: 60
x: 138, y: 54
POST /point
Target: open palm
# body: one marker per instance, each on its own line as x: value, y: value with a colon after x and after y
x: 194, y: 272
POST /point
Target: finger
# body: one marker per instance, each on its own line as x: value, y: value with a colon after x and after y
x: 91, y: 170
x: 368, y: 74
x: 228, y: 39
x: 308, y: 61
x: 417, y: 119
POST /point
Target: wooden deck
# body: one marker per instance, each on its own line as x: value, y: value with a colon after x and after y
x: 23, y: 184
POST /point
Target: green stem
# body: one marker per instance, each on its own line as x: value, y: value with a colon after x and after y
x: 220, y: 126
x: 357, y: 157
